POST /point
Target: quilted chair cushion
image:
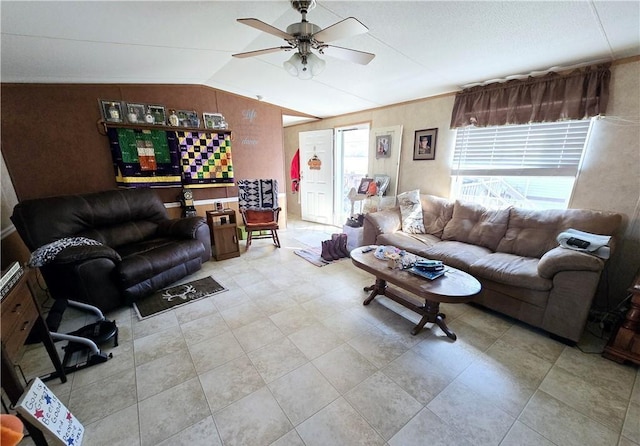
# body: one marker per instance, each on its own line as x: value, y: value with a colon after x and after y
x: 257, y: 194
x: 477, y: 225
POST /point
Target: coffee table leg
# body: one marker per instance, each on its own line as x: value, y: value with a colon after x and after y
x: 377, y: 288
x: 431, y: 313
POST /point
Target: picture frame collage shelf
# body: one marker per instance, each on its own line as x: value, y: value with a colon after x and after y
x: 121, y: 112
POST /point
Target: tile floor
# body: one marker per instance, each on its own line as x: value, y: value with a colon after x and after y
x: 290, y: 356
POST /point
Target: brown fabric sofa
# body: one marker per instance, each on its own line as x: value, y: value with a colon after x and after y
x: 140, y: 249
x: 513, y: 252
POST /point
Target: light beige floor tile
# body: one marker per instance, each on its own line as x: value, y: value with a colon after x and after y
x: 378, y: 347
x: 293, y: 319
x: 257, y: 334
x: 171, y: 411
x: 564, y: 425
x: 598, y: 371
x: 158, y: 344
x: 121, y: 361
x: 242, y: 314
x: 254, y: 420
x: 315, y: 340
x: 338, y: 424
x: 472, y: 337
x: 347, y: 325
x: 204, y: 328
x: 418, y: 377
x: 596, y: 402
x: 154, y: 324
x: 426, y: 428
x: 213, y: 352
x: 521, y: 435
x: 302, y: 392
x: 631, y: 427
x: 195, y: 310
x: 322, y: 307
x: 259, y: 290
x: 163, y: 373
x: 117, y: 429
x: 291, y: 438
x: 229, y: 299
x: 103, y: 398
x: 230, y: 382
x: 203, y: 432
x: 451, y: 356
x: 277, y: 359
x: 383, y: 404
x: 344, y: 367
x: 534, y: 341
x: 506, y: 376
x: 470, y: 414
x: 623, y: 442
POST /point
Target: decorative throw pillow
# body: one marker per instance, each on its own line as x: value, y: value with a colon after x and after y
x: 411, y: 211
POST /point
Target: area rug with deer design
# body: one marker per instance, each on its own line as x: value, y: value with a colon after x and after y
x: 170, y: 298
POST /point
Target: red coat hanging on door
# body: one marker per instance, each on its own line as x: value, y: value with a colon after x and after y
x: 295, y: 172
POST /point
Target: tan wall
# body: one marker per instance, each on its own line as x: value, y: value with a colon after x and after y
x: 609, y: 180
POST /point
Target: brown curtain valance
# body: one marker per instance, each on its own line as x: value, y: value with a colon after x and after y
x: 553, y: 97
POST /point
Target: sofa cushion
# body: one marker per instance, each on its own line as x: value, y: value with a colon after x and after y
x: 147, y: 259
x: 457, y: 254
x: 511, y: 269
x: 473, y: 223
x: 414, y: 243
x: 436, y: 213
x: 532, y: 233
x: 411, y: 211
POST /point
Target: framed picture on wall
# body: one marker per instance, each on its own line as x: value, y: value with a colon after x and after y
x: 212, y: 120
x: 383, y: 145
x: 159, y: 114
x: 188, y: 118
x: 111, y: 110
x: 424, y: 145
x: 135, y: 113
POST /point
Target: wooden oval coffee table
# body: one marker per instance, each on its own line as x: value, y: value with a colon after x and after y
x: 454, y: 287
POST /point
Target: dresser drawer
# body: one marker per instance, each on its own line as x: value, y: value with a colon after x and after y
x: 19, y: 314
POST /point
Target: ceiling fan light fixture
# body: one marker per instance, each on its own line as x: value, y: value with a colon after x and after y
x: 315, y: 64
x: 293, y: 65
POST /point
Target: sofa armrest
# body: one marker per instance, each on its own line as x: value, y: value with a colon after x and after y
x: 181, y: 227
x: 562, y: 259
x: 382, y: 222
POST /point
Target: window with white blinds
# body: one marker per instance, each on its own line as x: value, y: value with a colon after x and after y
x: 538, y: 149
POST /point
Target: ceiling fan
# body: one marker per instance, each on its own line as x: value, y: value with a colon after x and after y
x: 306, y: 36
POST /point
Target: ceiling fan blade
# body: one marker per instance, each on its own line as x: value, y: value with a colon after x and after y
x: 347, y: 54
x: 345, y: 28
x: 261, y: 52
x: 262, y: 26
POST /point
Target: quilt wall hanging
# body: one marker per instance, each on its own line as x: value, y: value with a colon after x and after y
x: 167, y: 158
x: 205, y: 158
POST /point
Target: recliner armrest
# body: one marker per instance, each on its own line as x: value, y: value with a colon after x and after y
x: 181, y: 227
x: 74, y: 254
x: 561, y: 259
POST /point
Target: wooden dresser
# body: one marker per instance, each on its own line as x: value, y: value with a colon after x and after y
x: 624, y: 344
x: 19, y: 314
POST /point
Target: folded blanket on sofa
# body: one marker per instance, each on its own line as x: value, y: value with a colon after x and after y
x: 598, y: 244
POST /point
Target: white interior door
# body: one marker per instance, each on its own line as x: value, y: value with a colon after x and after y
x: 316, y: 184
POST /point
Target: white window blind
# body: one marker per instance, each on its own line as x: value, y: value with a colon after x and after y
x: 538, y: 149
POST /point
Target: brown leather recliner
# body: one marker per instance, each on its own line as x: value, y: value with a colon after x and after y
x: 141, y: 250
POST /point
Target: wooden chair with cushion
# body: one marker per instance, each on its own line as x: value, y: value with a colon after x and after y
x: 258, y: 203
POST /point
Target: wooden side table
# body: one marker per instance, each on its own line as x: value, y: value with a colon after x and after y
x: 625, y: 344
x: 224, y: 233
x: 19, y: 314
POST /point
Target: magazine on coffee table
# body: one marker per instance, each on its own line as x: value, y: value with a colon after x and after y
x: 431, y: 275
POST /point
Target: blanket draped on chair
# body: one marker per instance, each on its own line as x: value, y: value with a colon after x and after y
x: 258, y: 194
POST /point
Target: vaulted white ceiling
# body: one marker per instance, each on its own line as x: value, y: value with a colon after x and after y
x: 423, y: 48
